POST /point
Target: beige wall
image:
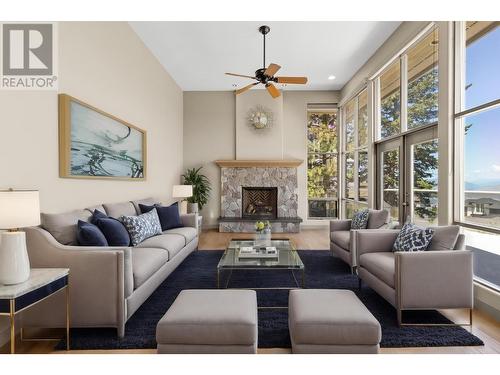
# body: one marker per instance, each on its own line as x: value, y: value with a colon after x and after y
x: 254, y: 143
x: 209, y: 134
x: 106, y: 65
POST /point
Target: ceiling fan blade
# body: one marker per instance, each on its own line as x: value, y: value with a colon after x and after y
x: 246, y: 88
x: 273, y: 90
x: 272, y: 69
x: 239, y: 75
x: 297, y: 80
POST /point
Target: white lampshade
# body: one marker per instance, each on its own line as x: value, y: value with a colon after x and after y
x: 182, y: 191
x: 19, y: 209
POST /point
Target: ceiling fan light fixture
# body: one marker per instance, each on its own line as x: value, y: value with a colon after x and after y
x: 266, y: 76
x: 331, y: 77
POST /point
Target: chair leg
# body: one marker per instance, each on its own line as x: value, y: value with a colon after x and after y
x: 359, y: 283
x: 400, y: 316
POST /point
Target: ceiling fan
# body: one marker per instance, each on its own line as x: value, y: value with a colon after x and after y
x: 266, y: 75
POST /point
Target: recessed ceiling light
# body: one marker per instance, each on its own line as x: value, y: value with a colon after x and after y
x: 331, y: 78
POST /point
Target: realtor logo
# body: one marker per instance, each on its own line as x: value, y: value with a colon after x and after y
x: 28, y: 56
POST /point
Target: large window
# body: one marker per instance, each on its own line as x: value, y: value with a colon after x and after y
x: 356, y: 154
x: 322, y: 161
x: 408, y: 89
x: 407, y: 147
x: 477, y: 132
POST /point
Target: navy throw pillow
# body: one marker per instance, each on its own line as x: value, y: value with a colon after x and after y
x: 88, y: 234
x: 169, y: 215
x: 97, y: 215
x: 114, y: 231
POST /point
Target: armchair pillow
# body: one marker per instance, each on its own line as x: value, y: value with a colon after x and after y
x: 88, y: 234
x: 413, y: 238
x: 168, y: 215
x: 114, y: 231
x: 142, y: 226
x: 360, y: 220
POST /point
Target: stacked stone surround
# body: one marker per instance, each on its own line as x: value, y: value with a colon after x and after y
x: 234, y: 179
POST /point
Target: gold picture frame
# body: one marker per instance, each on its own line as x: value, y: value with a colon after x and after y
x: 94, y: 144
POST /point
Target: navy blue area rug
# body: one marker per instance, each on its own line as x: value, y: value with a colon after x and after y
x: 322, y: 271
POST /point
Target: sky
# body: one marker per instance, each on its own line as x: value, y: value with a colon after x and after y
x: 482, y: 143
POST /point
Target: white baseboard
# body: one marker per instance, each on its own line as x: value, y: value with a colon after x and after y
x: 487, y: 300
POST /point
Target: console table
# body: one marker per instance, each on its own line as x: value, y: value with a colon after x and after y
x: 43, y: 283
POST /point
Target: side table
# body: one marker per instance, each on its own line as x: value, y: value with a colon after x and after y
x: 43, y: 283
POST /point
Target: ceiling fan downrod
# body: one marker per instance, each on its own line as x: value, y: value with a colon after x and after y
x: 264, y: 30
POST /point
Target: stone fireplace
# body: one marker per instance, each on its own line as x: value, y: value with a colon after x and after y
x: 259, y: 190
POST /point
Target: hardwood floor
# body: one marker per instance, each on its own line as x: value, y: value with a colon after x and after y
x: 484, y: 326
x: 307, y: 239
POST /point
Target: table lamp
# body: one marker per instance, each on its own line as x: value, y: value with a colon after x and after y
x: 183, y: 191
x: 18, y: 209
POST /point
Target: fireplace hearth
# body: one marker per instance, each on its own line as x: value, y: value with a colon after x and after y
x: 259, y: 202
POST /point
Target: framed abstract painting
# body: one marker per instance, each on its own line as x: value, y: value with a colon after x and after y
x: 94, y: 144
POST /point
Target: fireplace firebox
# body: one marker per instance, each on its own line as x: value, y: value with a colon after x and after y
x: 259, y: 202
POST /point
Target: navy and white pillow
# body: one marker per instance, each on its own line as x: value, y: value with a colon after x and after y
x: 413, y: 238
x: 142, y: 226
x: 360, y: 220
x: 169, y: 215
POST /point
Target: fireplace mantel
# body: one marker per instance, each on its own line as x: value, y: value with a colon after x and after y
x: 278, y: 163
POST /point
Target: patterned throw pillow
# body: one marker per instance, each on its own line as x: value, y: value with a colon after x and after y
x: 413, y: 238
x: 360, y: 220
x: 142, y: 226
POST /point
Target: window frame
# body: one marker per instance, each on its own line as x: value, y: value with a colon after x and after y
x: 459, y: 116
x: 356, y: 150
x: 402, y: 57
x: 324, y: 107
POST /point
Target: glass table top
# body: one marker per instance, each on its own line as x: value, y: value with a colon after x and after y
x: 288, y: 257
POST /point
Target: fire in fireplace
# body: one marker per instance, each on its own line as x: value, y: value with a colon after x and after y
x: 260, y: 202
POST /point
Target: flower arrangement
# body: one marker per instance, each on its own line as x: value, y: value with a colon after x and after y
x: 261, y: 225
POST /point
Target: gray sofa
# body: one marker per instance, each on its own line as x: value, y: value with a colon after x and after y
x: 107, y: 284
x: 438, y: 278
x: 342, y: 237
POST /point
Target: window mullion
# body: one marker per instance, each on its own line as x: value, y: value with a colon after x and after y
x: 404, y: 92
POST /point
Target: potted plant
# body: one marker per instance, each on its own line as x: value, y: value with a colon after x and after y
x: 201, y: 189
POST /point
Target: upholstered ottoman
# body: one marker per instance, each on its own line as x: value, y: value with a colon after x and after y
x: 331, y: 321
x: 209, y: 321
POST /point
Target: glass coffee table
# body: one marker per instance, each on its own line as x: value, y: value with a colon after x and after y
x: 287, y: 259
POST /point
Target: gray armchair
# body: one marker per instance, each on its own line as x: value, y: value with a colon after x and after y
x: 342, y: 237
x: 439, y: 278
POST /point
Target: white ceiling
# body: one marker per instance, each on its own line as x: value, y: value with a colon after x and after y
x: 196, y: 54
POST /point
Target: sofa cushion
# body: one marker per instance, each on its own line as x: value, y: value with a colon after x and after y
x: 341, y: 238
x: 189, y: 233
x: 89, y: 235
x: 98, y: 207
x: 117, y: 210
x: 382, y: 265
x: 172, y: 243
x: 145, y: 201
x: 413, y: 238
x: 377, y: 218
x: 141, y: 227
x: 169, y: 215
x: 210, y: 317
x: 63, y: 226
x: 145, y: 262
x: 445, y: 238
